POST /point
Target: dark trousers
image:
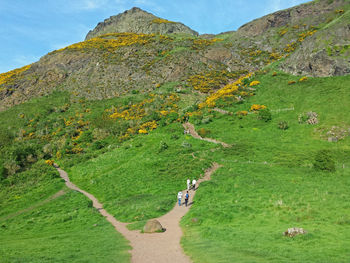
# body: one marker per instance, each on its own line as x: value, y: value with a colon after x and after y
x: 186, y: 201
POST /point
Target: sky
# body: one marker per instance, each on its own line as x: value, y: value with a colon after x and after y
x: 29, y: 29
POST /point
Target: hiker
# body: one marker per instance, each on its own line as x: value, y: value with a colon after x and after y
x: 194, y: 184
x: 186, y: 198
x: 179, y: 196
x: 188, y: 184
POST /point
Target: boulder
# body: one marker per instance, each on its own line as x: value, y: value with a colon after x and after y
x: 291, y: 232
x: 152, y: 226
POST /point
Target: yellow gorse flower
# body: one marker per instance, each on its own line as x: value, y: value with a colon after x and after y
x: 228, y: 91
x: 161, y: 21
x: 111, y: 42
x: 8, y: 77
x: 257, y: 107
x: 49, y: 162
x: 254, y: 83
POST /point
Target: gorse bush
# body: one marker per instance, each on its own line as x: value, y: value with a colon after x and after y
x: 264, y: 115
x: 203, y: 132
x: 324, y: 161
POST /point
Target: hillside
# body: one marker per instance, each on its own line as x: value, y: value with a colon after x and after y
x: 268, y: 102
x: 115, y: 63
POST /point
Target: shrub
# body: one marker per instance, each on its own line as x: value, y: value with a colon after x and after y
x: 99, y: 144
x: 22, y: 151
x: 2, y: 170
x: 172, y: 117
x: 203, y: 132
x: 175, y: 137
x: 11, y: 167
x: 206, y: 120
x: 283, y: 125
x: 186, y: 145
x: 241, y: 113
x: 163, y: 146
x: 85, y: 137
x: 324, y: 161
x: 49, y: 162
x: 254, y: 83
x: 302, y: 118
x: 40, y: 168
x: 5, y: 137
x: 265, y: 115
x: 256, y: 107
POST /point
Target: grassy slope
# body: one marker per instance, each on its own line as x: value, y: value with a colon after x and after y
x: 243, y: 211
x: 61, y: 230
x: 137, y: 181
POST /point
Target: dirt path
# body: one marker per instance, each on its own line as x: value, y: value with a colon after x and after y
x: 189, y: 127
x: 222, y: 111
x: 157, y: 247
x: 52, y: 197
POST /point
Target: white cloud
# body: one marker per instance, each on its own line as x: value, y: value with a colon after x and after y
x: 81, y: 5
x: 93, y: 4
x: 273, y: 6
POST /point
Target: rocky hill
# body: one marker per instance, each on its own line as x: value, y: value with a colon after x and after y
x: 326, y: 53
x: 311, y: 13
x: 137, y: 20
x: 136, y: 52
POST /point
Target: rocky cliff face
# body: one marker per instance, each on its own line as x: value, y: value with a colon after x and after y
x: 325, y: 50
x: 326, y: 53
x: 138, y: 21
x: 312, y: 13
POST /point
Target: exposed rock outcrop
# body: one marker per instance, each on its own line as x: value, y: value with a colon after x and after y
x: 137, y: 20
x: 314, y: 12
x: 326, y: 53
x: 291, y: 232
x: 153, y: 226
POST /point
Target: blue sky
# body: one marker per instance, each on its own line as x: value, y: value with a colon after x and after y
x: 29, y: 29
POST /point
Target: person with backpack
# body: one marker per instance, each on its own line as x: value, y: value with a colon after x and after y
x: 187, y: 196
x: 179, y: 196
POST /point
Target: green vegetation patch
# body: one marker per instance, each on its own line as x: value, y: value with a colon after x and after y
x: 140, y: 179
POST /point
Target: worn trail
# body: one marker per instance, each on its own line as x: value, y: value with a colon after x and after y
x: 190, y: 128
x: 49, y: 199
x: 156, y: 247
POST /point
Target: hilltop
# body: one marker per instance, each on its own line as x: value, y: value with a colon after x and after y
x: 137, y: 20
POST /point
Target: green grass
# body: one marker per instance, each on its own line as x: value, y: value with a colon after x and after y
x: 268, y: 183
x: 28, y: 188
x: 244, y: 209
x: 65, y: 229
x: 137, y: 181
